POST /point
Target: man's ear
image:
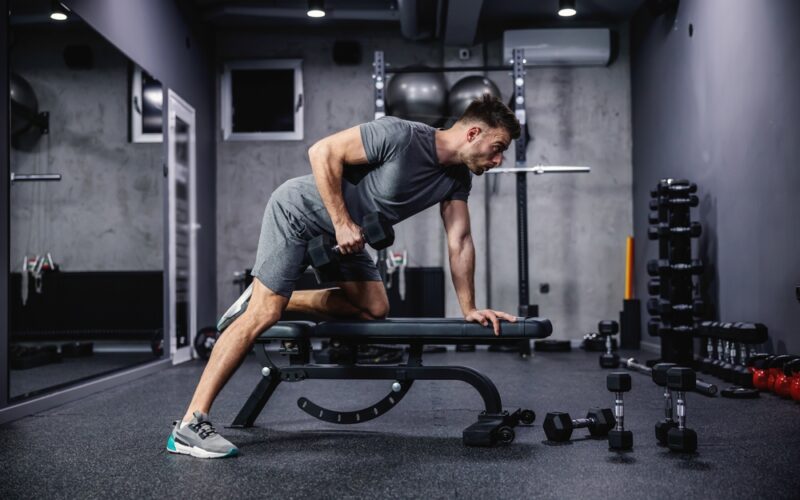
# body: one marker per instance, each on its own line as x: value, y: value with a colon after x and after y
x: 473, y: 132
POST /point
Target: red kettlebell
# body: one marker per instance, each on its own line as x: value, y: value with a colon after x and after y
x: 793, y: 370
x: 776, y: 370
x: 760, y: 372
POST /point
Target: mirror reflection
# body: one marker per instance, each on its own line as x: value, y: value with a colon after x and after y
x: 86, y: 215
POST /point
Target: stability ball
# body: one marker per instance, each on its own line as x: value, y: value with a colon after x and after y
x: 421, y: 97
x: 466, y: 90
x: 23, y: 103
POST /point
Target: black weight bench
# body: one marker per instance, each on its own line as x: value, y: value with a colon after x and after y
x: 494, y: 425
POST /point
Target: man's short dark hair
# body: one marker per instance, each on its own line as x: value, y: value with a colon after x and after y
x: 493, y: 112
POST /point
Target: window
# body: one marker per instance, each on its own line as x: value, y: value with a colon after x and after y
x: 262, y: 100
x: 147, y: 101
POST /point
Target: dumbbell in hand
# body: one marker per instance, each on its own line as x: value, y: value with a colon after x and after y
x: 619, y: 438
x: 663, y: 427
x: 376, y: 230
x: 558, y: 426
x: 681, y: 438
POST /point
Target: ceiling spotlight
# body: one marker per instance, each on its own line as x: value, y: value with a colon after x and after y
x: 316, y: 8
x: 58, y: 12
x: 566, y: 8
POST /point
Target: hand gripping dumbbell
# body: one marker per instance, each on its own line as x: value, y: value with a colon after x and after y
x: 681, y: 438
x: 608, y: 329
x: 659, y: 375
x: 376, y: 230
x: 558, y: 426
x: 619, y: 438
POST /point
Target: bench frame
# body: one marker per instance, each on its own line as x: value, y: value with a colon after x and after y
x: 494, y: 426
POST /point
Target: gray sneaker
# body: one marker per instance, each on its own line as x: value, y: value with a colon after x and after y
x: 235, y: 310
x: 199, y: 439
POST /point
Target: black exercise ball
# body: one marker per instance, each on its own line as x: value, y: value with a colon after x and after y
x: 467, y: 90
x: 23, y: 103
x: 421, y: 97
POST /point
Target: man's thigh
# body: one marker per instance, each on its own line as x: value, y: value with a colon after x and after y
x: 366, y: 295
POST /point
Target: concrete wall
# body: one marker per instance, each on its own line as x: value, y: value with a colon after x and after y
x: 578, y: 223
x: 721, y: 107
x: 105, y: 213
x: 4, y: 206
x: 162, y: 38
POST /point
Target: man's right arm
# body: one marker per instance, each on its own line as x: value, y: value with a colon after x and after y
x: 328, y: 157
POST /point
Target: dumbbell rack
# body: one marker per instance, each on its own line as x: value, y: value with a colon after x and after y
x: 672, y: 305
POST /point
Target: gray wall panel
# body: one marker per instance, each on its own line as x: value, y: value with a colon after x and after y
x: 158, y: 37
x: 721, y: 108
x: 4, y: 204
x: 579, y: 223
x: 105, y: 212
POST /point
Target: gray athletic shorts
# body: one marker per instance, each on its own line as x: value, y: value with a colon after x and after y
x: 281, y: 257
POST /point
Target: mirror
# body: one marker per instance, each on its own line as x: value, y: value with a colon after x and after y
x: 87, y: 195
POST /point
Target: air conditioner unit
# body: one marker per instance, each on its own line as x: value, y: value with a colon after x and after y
x: 560, y: 47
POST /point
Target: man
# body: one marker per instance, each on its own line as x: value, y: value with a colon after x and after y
x: 390, y: 165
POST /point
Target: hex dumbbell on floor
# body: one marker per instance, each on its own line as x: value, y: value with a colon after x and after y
x: 558, y: 426
x: 376, y: 230
x: 607, y: 329
x: 681, y: 438
x: 618, y: 438
x: 663, y: 427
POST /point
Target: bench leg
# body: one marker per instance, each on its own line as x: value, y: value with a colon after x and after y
x: 255, y: 403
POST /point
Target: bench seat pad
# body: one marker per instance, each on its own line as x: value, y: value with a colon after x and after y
x: 442, y: 330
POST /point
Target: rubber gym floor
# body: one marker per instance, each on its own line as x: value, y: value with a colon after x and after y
x: 111, y: 444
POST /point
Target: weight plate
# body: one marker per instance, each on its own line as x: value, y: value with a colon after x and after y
x: 736, y: 392
x: 552, y: 346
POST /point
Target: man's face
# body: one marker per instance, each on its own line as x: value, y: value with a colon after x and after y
x: 484, y: 148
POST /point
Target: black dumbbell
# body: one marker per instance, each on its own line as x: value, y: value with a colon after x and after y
x: 727, y: 367
x: 558, y: 426
x: 694, y: 230
x: 681, y: 438
x: 659, y: 375
x: 657, y: 307
x: 375, y: 229
x: 663, y: 266
x: 690, y: 201
x: 607, y: 329
x: 654, y: 286
x: 619, y: 438
x: 657, y: 328
x: 741, y: 373
x: 673, y: 187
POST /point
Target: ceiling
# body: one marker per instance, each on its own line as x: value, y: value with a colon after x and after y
x: 455, y: 21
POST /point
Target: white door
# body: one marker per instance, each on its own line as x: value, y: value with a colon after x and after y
x: 182, y: 227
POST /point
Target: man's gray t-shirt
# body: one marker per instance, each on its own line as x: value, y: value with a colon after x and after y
x: 403, y: 177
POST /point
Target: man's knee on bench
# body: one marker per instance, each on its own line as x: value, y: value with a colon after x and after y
x: 376, y: 309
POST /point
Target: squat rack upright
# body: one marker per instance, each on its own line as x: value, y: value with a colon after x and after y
x: 517, y: 69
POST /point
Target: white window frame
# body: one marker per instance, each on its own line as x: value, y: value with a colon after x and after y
x: 226, y: 101
x: 136, y: 114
